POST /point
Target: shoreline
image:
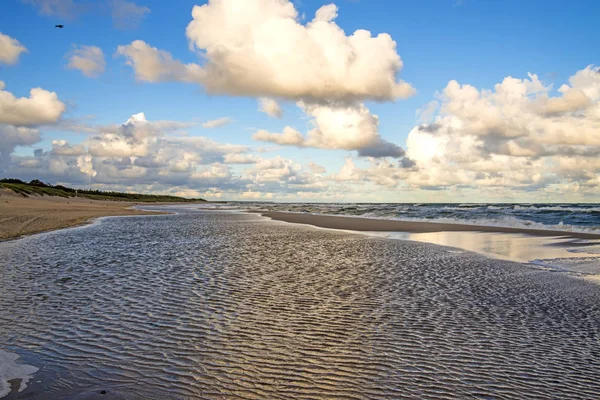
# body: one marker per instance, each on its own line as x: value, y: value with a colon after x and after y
x: 21, y: 217
x: 381, y: 225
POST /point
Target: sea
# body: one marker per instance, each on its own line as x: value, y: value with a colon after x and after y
x: 225, y: 304
x: 564, y: 217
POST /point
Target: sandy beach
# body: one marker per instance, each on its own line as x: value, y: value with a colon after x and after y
x: 377, y: 225
x: 21, y: 216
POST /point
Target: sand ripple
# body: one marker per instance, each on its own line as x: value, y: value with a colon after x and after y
x: 219, y: 305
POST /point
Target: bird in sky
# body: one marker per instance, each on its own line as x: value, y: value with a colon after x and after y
x: 59, y: 26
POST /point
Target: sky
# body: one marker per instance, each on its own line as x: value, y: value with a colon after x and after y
x: 305, y: 101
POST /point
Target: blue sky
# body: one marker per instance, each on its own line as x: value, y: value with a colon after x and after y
x: 473, y: 42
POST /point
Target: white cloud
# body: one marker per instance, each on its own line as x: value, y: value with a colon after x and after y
x: 136, y: 152
x: 289, y: 137
x: 137, y: 137
x: 153, y: 65
x: 259, y: 48
x: 113, y: 145
x: 10, y: 49
x: 251, y: 195
x: 217, y: 123
x: 588, y: 81
x: 237, y: 158
x: 212, y: 173
x: 345, y: 127
x: 168, y: 163
x: 379, y: 171
x: 270, y: 107
x: 518, y: 135
x: 86, y: 166
x: 277, y: 169
x: 63, y: 148
x: 13, y: 136
x: 88, y: 59
x: 41, y: 107
x: 20, y: 116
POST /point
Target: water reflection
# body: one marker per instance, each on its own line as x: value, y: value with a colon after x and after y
x: 509, y: 246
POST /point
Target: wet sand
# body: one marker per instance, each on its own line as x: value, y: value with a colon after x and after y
x: 209, y: 305
x: 21, y: 216
x: 377, y: 225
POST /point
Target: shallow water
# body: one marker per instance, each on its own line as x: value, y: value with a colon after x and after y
x: 578, y: 257
x: 227, y: 305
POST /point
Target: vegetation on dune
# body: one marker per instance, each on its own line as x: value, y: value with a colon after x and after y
x: 37, y: 187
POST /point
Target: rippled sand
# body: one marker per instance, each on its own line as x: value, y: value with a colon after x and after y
x: 227, y: 305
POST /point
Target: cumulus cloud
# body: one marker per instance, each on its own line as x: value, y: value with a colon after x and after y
x: 237, y: 158
x: 136, y: 137
x: 273, y: 170
x: 10, y: 49
x: 137, y: 152
x: 86, y: 166
x: 571, y: 100
x: 518, y: 135
x: 341, y: 126
x: 19, y: 118
x: 382, y: 148
x: 289, y: 137
x: 259, y: 48
x: 63, y: 148
x: 13, y: 136
x: 381, y: 172
x: 41, y: 107
x: 270, y: 107
x: 217, y: 123
x: 250, y: 195
x: 153, y: 65
x: 88, y: 59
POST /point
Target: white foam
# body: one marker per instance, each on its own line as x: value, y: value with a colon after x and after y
x: 9, y: 370
x: 503, y: 222
x: 510, y: 222
x: 558, y: 208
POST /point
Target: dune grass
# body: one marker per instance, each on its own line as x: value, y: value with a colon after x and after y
x: 36, y: 187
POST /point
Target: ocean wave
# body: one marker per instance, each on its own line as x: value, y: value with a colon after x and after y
x: 511, y: 222
x: 584, y: 209
x: 504, y: 222
x: 562, y: 217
